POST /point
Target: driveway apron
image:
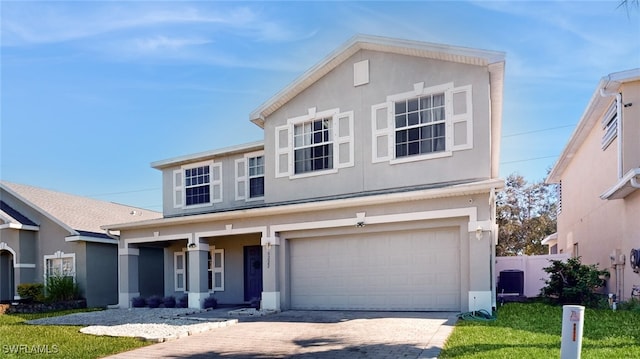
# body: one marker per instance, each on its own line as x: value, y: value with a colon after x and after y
x: 314, y: 334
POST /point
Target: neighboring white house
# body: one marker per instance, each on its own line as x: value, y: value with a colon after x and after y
x: 374, y: 189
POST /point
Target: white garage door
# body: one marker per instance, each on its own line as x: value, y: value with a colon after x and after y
x: 413, y: 270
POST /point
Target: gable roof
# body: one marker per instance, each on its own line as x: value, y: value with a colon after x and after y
x: 383, y: 44
x: 11, y: 218
x: 80, y: 216
x: 598, y: 104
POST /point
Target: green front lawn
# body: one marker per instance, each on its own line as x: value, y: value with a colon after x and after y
x: 533, y: 330
x: 21, y: 340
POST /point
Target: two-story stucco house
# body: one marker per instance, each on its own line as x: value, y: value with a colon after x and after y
x: 374, y: 189
x: 599, y: 177
x: 44, y: 232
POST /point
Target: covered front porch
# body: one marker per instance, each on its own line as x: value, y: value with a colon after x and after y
x: 232, y: 266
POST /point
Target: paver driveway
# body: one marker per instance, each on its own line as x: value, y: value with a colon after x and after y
x: 314, y: 334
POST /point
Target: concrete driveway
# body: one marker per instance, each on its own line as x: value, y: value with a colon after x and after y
x: 314, y: 334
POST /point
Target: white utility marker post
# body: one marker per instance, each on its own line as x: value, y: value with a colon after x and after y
x: 572, y: 324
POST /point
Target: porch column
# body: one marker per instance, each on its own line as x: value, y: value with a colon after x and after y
x: 127, y: 276
x: 198, y: 271
x: 270, y: 273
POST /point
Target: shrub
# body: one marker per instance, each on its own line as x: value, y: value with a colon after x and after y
x: 61, y: 288
x: 210, y: 302
x: 572, y: 282
x: 183, y: 302
x: 138, y: 302
x: 632, y: 304
x: 32, y: 291
x: 154, y: 301
x: 169, y: 302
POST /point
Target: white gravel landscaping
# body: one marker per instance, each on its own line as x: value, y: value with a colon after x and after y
x: 158, y: 324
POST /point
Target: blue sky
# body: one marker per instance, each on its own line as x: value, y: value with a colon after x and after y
x: 93, y: 92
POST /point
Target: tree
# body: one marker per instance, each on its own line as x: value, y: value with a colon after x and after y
x: 526, y: 213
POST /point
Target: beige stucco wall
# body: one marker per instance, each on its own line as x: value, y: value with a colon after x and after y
x: 599, y: 226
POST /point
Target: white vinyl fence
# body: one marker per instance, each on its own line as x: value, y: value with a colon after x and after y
x: 534, y: 275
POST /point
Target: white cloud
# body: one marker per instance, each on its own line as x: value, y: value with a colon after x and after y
x: 160, y: 42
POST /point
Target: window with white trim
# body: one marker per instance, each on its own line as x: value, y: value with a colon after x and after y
x: 179, y: 271
x: 197, y: 187
x: 60, y: 264
x: 249, y: 172
x: 428, y: 122
x: 313, y: 146
x: 420, y: 125
x: 198, y: 184
x: 216, y: 270
x: 317, y: 143
x: 256, y: 176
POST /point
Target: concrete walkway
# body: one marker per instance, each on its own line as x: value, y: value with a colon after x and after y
x: 314, y: 334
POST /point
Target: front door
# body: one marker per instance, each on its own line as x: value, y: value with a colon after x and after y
x: 6, y: 276
x: 252, y: 272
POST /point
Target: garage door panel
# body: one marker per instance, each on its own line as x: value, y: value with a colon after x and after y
x: 385, y: 271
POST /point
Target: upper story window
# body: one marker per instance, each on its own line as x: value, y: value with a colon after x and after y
x: 249, y: 174
x: 196, y: 185
x: 420, y: 125
x: 317, y: 143
x: 256, y: 177
x: 428, y: 122
x: 313, y: 146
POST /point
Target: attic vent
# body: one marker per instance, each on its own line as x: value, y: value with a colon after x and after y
x: 361, y: 73
x: 610, y: 125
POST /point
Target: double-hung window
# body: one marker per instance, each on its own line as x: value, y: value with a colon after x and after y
x: 316, y: 143
x: 313, y: 146
x: 420, y: 125
x: 249, y: 174
x: 196, y: 184
x: 256, y: 177
x: 426, y: 123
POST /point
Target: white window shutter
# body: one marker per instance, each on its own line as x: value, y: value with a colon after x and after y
x: 241, y: 179
x: 179, y: 270
x: 216, y: 182
x: 218, y: 270
x: 382, y: 131
x: 283, y: 151
x: 178, y: 189
x: 460, y: 112
x: 343, y: 144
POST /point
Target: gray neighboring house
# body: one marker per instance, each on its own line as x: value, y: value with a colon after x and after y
x: 43, y: 232
x: 373, y: 189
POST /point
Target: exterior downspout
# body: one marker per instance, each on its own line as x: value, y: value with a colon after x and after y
x: 493, y: 240
x: 618, y: 96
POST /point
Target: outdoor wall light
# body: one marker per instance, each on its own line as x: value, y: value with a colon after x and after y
x: 479, y: 233
x: 191, y: 245
x: 360, y: 224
